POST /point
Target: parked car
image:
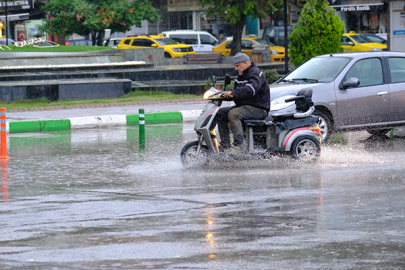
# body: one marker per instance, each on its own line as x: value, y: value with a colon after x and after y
x: 277, y: 54
x: 201, y: 41
x: 382, y: 35
x: 353, y: 42
x: 222, y: 39
x: 374, y: 38
x: 275, y: 34
x: 351, y: 91
x: 112, y: 42
x: 171, y: 47
x: 3, y: 41
x: 79, y: 42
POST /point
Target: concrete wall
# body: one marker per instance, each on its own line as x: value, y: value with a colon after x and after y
x: 152, y: 55
x: 107, y: 88
x: 156, y: 56
x: 42, y: 58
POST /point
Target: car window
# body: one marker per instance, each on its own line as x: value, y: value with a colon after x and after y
x: 374, y: 39
x: 229, y: 45
x: 138, y: 42
x: 207, y: 40
x: 261, y: 41
x: 368, y: 71
x: 185, y: 39
x: 359, y: 39
x: 81, y: 43
x: 127, y: 41
x: 397, y: 69
x: 323, y: 69
x: 280, y: 37
x: 165, y: 41
x: 221, y: 40
x: 247, y: 45
x: 148, y: 42
x: 115, y: 42
x: 345, y: 41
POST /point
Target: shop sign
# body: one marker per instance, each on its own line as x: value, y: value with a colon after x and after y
x: 399, y: 33
x: 355, y: 8
x: 17, y: 5
x: 15, y: 17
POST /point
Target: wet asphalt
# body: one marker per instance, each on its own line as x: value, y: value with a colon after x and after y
x: 91, y: 199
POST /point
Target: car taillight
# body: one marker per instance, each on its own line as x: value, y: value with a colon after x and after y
x: 315, y: 128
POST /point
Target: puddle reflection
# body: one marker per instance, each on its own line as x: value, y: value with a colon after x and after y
x: 4, y: 179
x: 77, y: 188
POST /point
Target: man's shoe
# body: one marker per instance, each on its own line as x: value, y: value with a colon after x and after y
x: 223, y: 147
x: 235, y: 149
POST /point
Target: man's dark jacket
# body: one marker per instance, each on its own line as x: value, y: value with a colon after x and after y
x: 252, y: 88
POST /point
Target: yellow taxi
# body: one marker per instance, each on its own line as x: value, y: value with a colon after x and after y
x: 277, y: 54
x: 172, y: 48
x: 353, y: 42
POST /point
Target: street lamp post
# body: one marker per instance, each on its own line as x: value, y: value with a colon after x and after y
x: 6, y: 25
x: 285, y: 38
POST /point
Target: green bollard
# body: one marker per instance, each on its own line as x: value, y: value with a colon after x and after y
x: 141, y: 129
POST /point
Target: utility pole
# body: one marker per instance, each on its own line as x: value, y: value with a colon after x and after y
x: 285, y: 38
x: 6, y: 24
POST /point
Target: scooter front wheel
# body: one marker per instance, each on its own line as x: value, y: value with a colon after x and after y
x: 306, y: 148
x: 189, y: 156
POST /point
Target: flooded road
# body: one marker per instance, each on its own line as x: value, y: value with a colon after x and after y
x: 91, y: 199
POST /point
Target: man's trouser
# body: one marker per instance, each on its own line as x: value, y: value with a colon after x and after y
x: 232, y: 117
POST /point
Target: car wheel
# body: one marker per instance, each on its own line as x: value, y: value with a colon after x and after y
x: 378, y: 132
x: 324, y: 124
x: 167, y: 55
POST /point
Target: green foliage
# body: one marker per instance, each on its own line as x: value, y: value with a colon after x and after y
x: 27, y: 101
x: 271, y: 75
x: 15, y: 49
x: 236, y: 11
x: 93, y: 16
x: 230, y: 86
x: 208, y: 83
x: 318, y: 31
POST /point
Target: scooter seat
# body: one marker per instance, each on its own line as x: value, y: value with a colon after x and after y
x: 254, y: 123
x: 282, y: 117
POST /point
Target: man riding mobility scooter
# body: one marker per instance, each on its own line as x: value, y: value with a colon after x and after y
x: 295, y: 133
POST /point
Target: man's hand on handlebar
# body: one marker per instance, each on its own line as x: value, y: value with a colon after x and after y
x: 228, y: 94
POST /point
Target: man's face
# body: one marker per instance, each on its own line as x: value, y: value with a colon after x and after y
x: 241, y: 66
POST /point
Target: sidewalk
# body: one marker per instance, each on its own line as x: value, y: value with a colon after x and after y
x: 117, y: 114
x: 159, y: 112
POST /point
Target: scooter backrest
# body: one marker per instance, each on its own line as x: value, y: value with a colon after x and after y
x: 303, y: 101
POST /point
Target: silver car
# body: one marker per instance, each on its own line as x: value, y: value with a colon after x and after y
x: 351, y: 91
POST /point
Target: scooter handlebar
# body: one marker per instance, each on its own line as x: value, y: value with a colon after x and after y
x: 305, y: 114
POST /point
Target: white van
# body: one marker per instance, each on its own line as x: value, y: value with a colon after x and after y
x: 202, y: 41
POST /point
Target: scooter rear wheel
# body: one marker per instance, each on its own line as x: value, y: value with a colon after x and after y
x: 189, y: 155
x: 306, y: 148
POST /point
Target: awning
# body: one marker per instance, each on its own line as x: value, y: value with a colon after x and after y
x: 15, y: 17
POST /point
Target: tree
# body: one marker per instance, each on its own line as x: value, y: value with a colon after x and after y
x: 318, y: 31
x: 235, y: 12
x: 93, y: 16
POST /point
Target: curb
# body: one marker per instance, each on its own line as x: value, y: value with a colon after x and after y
x: 102, y: 121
